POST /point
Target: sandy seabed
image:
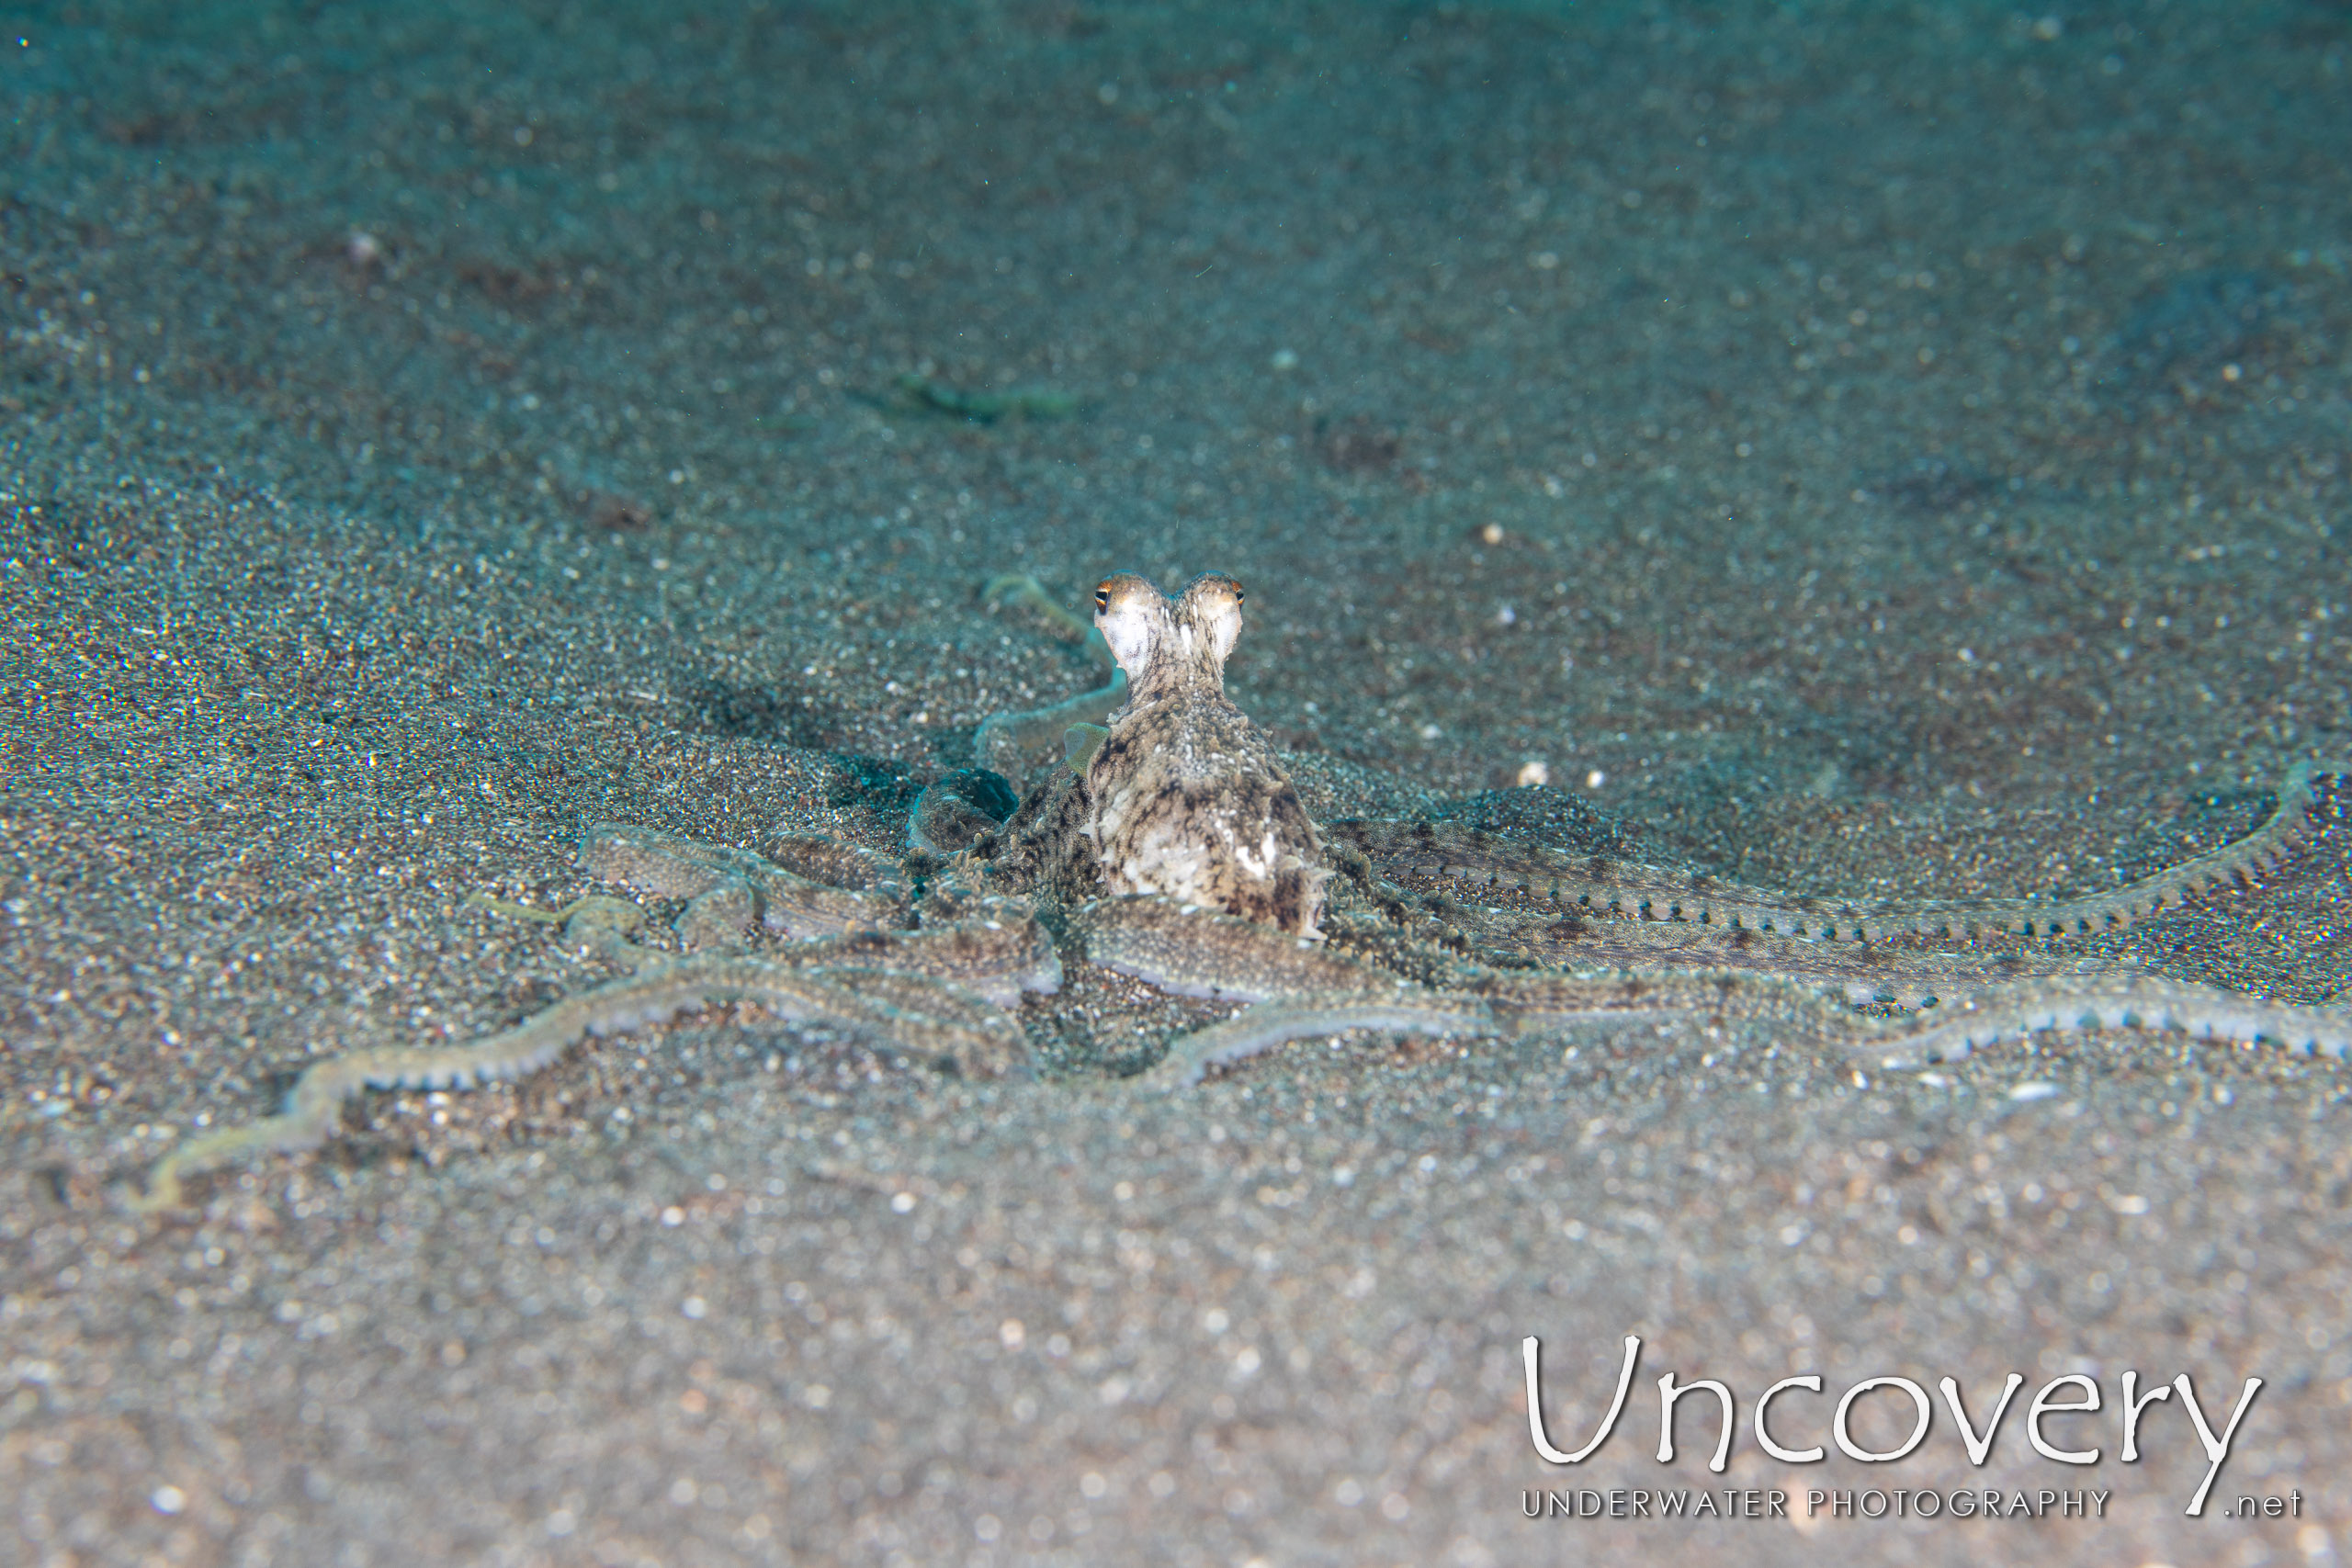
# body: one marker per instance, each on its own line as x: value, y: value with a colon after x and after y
x: 1871, y: 448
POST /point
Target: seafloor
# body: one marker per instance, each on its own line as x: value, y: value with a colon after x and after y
x: 1854, y: 446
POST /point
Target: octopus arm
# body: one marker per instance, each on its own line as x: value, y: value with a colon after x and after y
x: 787, y: 903
x: 1258, y: 1029
x: 1006, y: 740
x: 2014, y: 1012
x: 926, y: 1015
x: 1665, y: 893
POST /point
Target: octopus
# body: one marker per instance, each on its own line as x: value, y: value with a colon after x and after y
x: 1172, y: 847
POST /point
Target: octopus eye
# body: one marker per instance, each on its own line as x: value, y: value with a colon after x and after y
x: 1238, y: 594
x: 1103, y: 598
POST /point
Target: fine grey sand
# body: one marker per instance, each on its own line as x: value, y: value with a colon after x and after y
x: 1862, y: 448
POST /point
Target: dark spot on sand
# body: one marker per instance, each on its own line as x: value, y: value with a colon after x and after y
x: 783, y: 713
x: 2191, y: 328
x: 1358, y: 445
x: 1931, y: 487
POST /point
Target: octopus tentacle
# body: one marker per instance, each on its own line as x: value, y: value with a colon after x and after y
x: 1505, y: 1004
x: 1530, y: 1005
x: 1302, y: 991
x: 995, y: 948
x: 2111, y: 1003
x: 1019, y: 588
x: 786, y: 903
x: 1602, y: 885
x: 955, y: 810
x: 1862, y: 972
x: 1533, y: 1002
x: 838, y: 866
x: 1518, y: 938
x: 1006, y: 741
x: 939, y: 998
x: 1258, y: 1029
x: 1197, y: 952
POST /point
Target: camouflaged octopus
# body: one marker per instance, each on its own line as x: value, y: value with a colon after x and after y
x: 1174, y: 848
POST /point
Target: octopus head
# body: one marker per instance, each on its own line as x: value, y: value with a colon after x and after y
x: 1132, y: 618
x: 1209, y: 614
